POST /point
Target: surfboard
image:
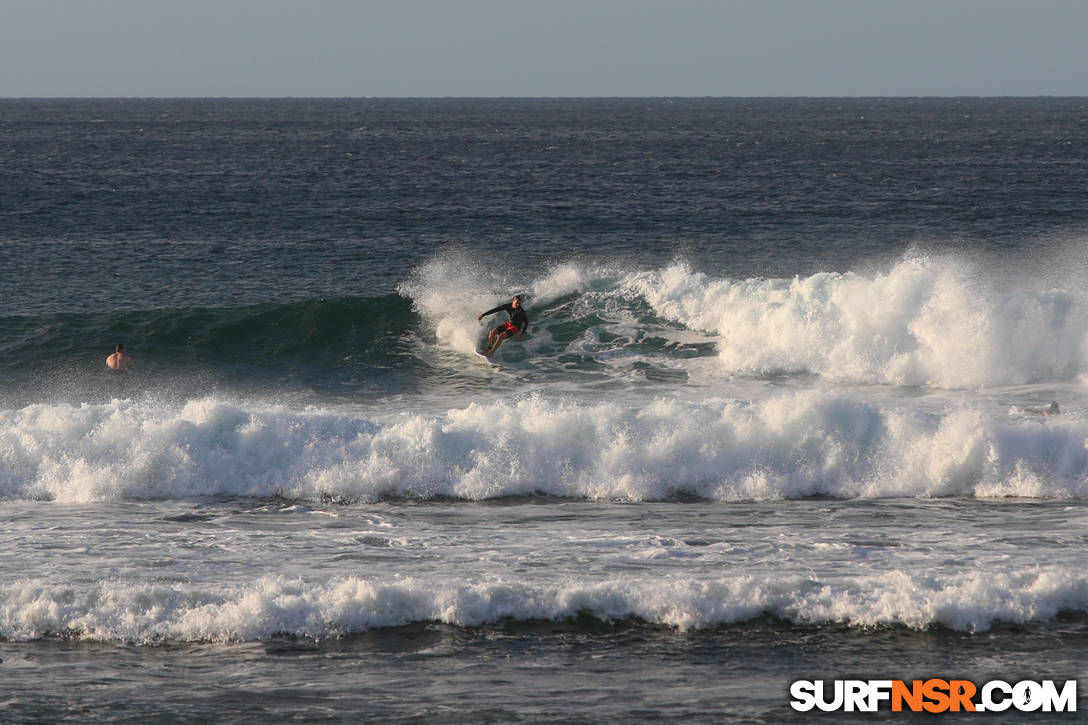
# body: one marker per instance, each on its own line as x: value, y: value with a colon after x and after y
x: 480, y: 353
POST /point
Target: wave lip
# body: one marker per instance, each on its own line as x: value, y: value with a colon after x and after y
x: 274, y: 606
x: 788, y: 446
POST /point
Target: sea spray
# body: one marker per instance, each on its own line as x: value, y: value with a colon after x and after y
x: 921, y: 323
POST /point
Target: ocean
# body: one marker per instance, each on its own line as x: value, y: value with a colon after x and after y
x: 776, y: 416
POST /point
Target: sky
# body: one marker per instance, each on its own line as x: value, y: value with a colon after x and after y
x: 473, y: 48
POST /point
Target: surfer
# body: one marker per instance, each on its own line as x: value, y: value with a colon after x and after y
x: 1051, y: 409
x: 119, y: 360
x: 518, y: 322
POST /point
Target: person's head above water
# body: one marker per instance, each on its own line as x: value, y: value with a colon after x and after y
x: 516, y: 302
x: 118, y: 360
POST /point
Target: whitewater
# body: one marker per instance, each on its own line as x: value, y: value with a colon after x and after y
x: 789, y: 445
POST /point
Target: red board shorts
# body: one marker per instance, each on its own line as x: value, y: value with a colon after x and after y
x: 506, y: 327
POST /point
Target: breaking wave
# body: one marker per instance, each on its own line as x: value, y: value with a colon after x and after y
x: 275, y: 606
x: 789, y: 445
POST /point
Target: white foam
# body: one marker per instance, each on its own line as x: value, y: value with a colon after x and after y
x: 785, y: 446
x: 276, y: 606
x: 930, y: 322
x: 927, y: 321
x: 450, y: 290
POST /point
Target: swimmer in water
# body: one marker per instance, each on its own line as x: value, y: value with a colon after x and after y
x: 119, y: 360
x: 1051, y: 409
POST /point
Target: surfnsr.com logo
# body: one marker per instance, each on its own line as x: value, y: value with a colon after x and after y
x: 933, y: 695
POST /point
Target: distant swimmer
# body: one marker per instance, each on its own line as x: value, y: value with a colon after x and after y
x: 1051, y: 409
x: 119, y: 360
x: 518, y: 322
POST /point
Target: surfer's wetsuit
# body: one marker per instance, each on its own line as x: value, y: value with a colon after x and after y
x: 519, y: 321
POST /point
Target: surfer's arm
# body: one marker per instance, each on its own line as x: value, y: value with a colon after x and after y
x: 492, y: 311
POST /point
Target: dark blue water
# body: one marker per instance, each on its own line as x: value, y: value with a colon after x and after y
x: 149, y: 204
x: 772, y: 419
